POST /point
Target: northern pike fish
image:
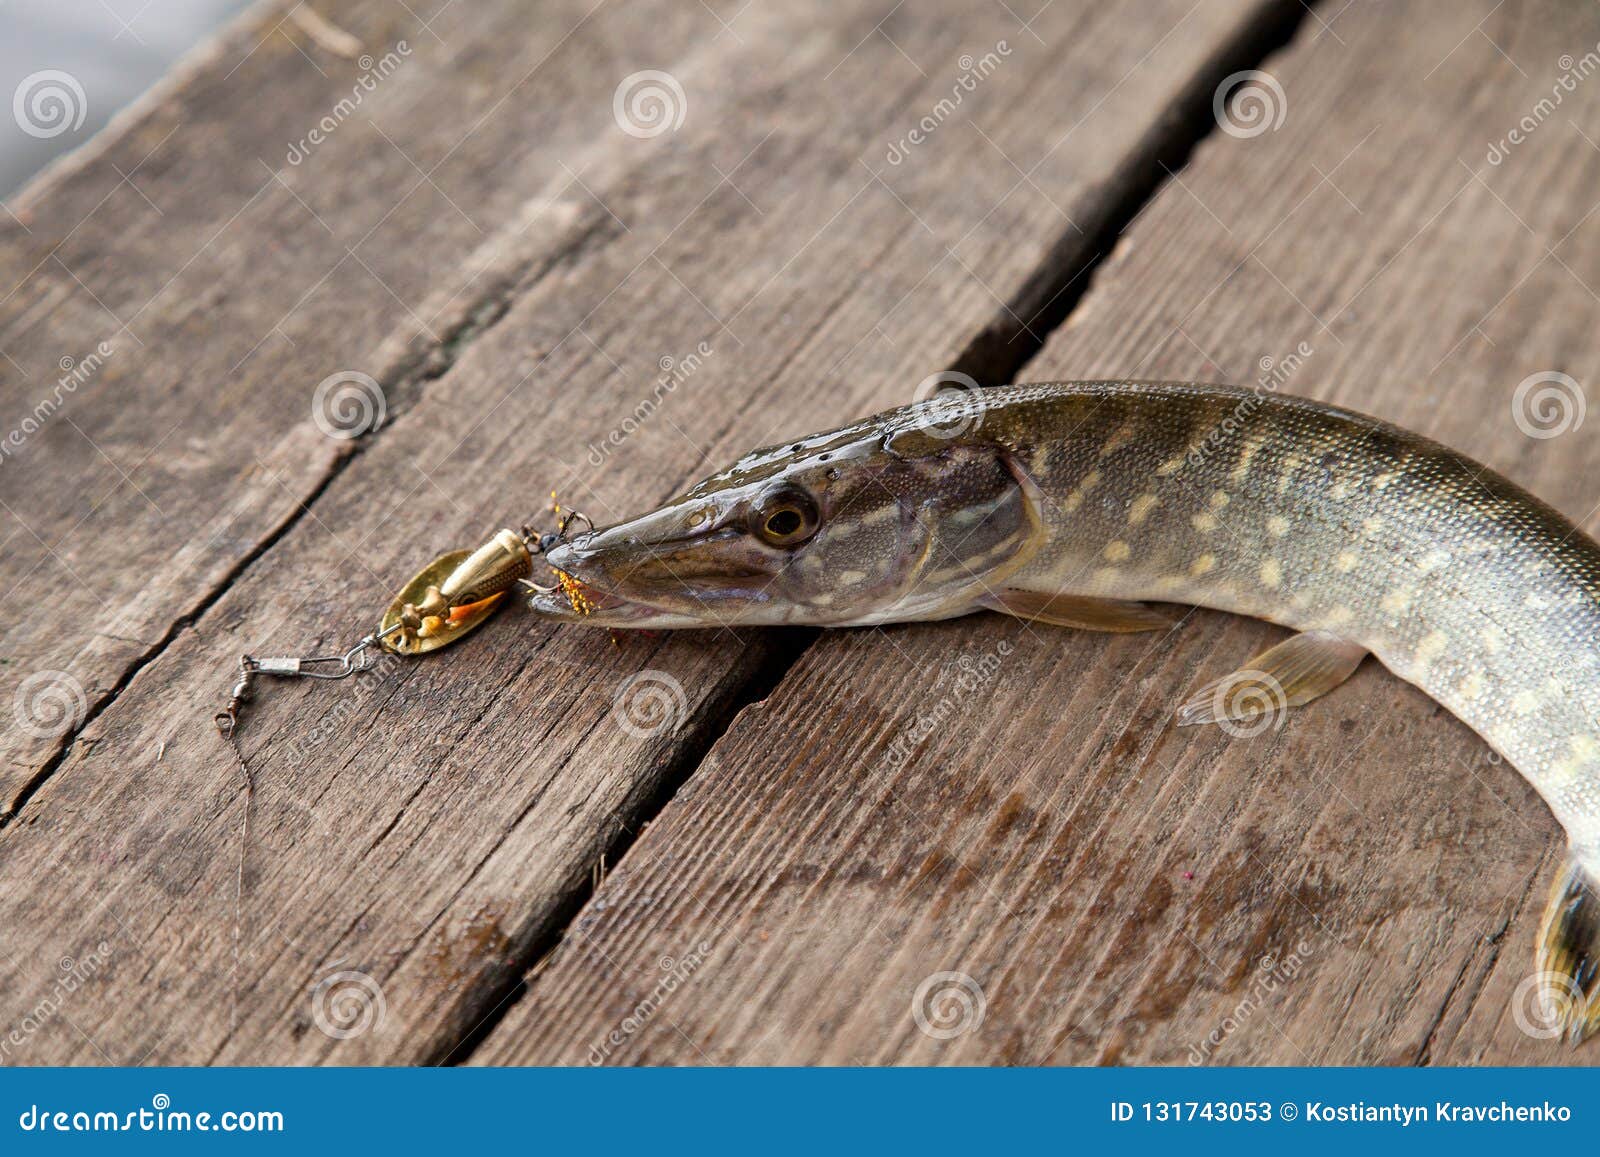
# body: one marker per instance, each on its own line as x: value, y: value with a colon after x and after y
x: 1079, y: 503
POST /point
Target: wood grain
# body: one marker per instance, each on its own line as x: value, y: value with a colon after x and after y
x: 227, y: 281
x: 1359, y: 886
x: 428, y: 828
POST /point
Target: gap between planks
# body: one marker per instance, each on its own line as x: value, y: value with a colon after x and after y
x: 404, y: 383
x: 1016, y: 333
x: 995, y: 356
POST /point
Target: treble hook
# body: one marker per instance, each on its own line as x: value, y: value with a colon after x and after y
x: 544, y: 543
x: 571, y: 517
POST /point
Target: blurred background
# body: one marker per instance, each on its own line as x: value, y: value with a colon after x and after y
x: 115, y: 49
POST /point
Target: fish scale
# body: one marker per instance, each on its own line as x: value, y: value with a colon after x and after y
x: 1437, y: 501
x: 1076, y: 503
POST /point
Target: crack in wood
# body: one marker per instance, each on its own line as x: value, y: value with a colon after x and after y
x: 402, y: 384
x: 1496, y: 944
x: 785, y: 652
x: 994, y: 357
x: 1044, y: 302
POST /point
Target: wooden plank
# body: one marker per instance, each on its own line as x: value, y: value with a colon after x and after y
x: 430, y: 829
x: 1360, y: 886
x: 212, y: 264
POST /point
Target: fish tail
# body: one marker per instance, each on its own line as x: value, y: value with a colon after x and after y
x: 1568, y: 956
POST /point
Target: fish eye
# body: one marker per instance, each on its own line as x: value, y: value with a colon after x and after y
x: 784, y: 517
x: 783, y: 523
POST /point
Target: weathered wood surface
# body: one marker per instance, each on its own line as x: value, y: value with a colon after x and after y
x: 1360, y: 886
x: 227, y: 283
x: 432, y: 828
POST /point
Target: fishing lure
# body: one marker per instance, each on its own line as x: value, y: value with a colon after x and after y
x: 445, y: 601
x: 1073, y: 504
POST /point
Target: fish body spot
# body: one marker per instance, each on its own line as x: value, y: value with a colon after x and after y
x: 1241, y: 469
x: 1432, y: 646
x: 1561, y: 774
x: 1271, y: 573
x: 1396, y: 600
x: 1086, y: 484
x: 1117, y: 551
x: 1277, y: 526
x: 1119, y: 438
x: 1141, y: 507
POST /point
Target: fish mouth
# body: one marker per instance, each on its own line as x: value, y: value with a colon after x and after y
x: 659, y: 587
x: 575, y: 601
x: 572, y: 600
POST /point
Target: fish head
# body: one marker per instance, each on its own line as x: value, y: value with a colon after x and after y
x: 866, y: 524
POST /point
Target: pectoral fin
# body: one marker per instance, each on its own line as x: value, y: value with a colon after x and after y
x: 1075, y: 611
x: 1296, y: 671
